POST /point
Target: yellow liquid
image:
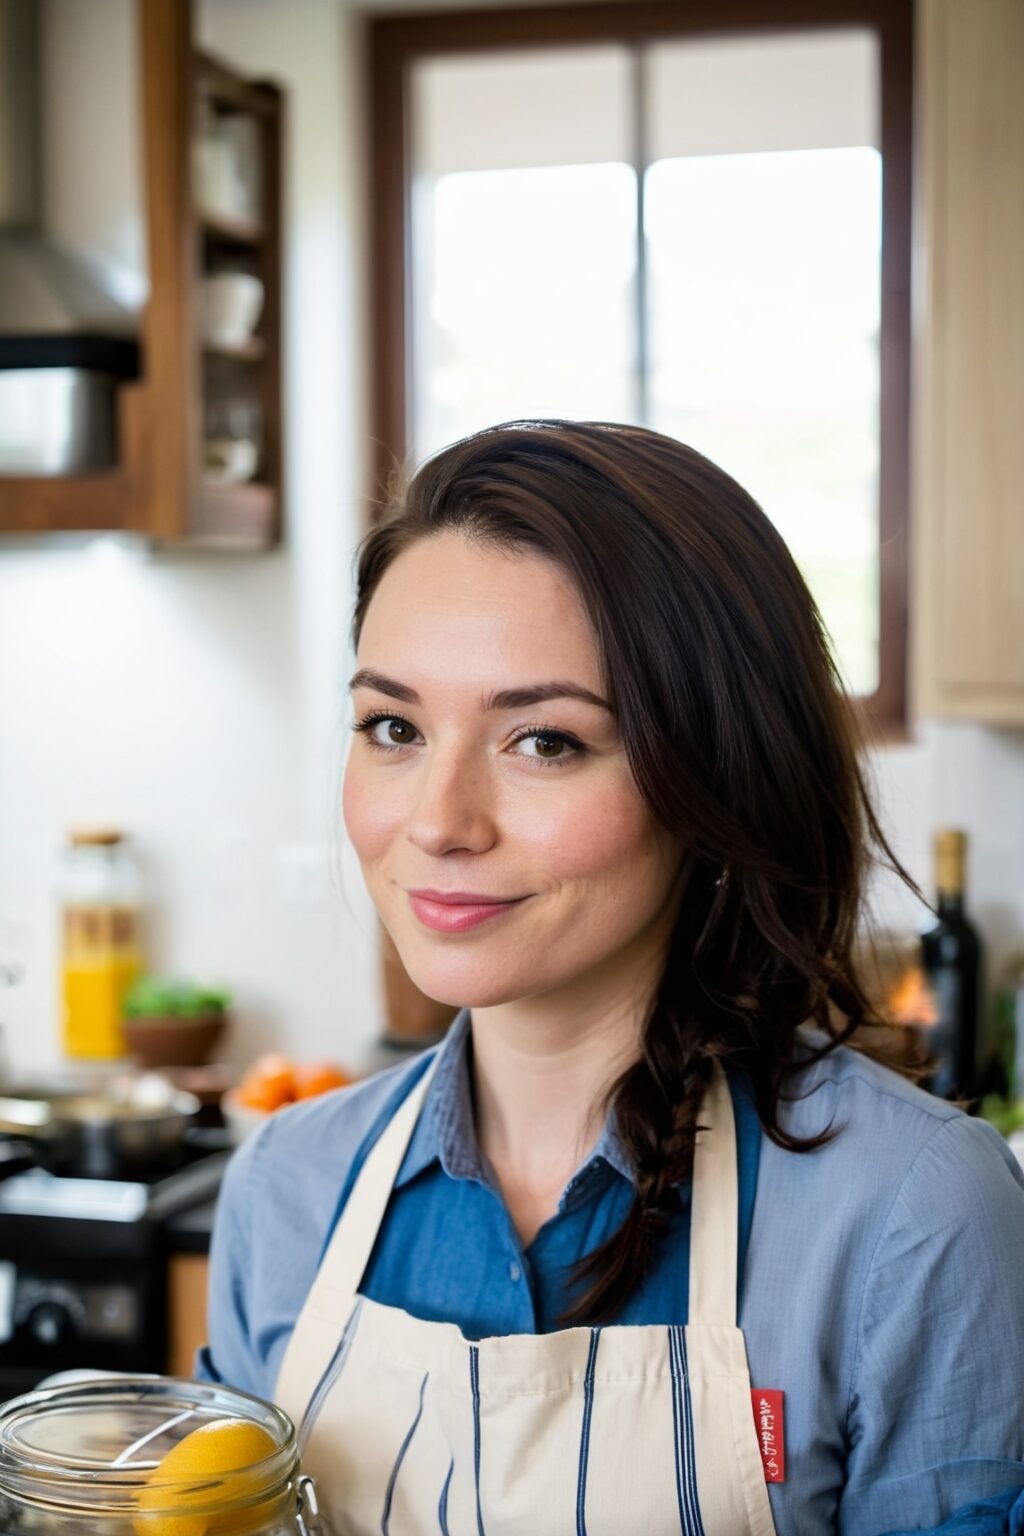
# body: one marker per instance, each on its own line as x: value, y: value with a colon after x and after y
x: 92, y: 1005
x: 96, y: 972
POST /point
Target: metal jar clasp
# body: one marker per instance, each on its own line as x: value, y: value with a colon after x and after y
x: 307, y: 1507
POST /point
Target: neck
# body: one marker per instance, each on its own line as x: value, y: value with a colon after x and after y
x: 539, y: 1102
x: 542, y: 1068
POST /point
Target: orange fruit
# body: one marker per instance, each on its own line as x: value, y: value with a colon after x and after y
x: 269, y: 1082
x: 318, y: 1077
x: 184, y: 1476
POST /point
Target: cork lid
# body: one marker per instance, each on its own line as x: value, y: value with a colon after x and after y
x: 95, y: 837
x: 950, y: 861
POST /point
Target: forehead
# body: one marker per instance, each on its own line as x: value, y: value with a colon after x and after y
x: 454, y: 612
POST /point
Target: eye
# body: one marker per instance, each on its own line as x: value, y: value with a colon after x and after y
x: 555, y: 748
x: 368, y: 728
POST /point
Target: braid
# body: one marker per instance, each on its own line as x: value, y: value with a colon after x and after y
x: 691, y: 1026
x: 657, y: 1101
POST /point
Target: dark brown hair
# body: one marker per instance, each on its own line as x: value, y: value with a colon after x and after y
x: 735, y: 725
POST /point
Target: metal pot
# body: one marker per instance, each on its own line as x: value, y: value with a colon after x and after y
x: 130, y: 1127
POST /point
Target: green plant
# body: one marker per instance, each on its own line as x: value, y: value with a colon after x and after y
x: 158, y: 997
x: 1006, y: 1115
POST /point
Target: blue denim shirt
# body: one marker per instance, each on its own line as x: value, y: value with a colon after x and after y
x: 881, y: 1285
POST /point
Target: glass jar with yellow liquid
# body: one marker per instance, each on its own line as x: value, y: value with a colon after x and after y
x: 151, y: 1456
x: 101, y: 943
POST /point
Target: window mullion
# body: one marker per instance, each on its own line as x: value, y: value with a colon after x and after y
x: 639, y: 149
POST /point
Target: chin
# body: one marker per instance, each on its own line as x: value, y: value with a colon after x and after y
x: 460, y: 986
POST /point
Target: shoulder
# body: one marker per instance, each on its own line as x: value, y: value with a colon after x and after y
x: 896, y: 1148
x: 864, y: 1253
x: 851, y: 1074
x: 849, y: 1090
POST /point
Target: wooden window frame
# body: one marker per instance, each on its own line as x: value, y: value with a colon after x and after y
x: 398, y: 42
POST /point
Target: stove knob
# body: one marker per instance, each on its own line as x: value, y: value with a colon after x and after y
x: 50, y: 1323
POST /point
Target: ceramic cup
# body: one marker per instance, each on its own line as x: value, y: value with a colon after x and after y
x: 231, y: 303
x: 229, y: 460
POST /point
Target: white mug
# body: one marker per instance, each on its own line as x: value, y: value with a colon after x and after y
x: 230, y: 306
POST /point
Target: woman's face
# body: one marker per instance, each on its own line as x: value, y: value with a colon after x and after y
x: 449, y: 793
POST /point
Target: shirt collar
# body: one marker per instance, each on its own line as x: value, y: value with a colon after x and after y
x: 445, y: 1132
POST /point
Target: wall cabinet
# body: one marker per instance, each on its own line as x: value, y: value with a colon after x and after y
x: 968, y: 502
x: 165, y: 486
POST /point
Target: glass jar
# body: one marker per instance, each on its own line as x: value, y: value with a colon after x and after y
x: 86, y: 1460
x: 101, y: 941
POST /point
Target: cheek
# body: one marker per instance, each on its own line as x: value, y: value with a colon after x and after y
x: 604, y: 834
x: 368, y: 820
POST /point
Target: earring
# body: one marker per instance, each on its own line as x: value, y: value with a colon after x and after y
x: 723, y: 878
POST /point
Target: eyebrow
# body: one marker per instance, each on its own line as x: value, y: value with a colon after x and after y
x: 505, y: 698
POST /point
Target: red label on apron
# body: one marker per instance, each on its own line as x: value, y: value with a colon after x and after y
x: 770, y: 1438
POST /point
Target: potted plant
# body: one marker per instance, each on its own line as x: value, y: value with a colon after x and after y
x: 173, y: 1023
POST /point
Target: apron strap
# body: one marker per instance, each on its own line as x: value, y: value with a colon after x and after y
x: 332, y: 1295
x: 714, y: 1211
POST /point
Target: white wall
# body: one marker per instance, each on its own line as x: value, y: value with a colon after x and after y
x: 198, y: 700
x: 957, y: 774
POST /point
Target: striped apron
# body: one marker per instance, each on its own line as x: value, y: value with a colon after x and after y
x: 409, y: 1428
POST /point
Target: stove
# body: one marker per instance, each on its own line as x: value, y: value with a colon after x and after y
x: 83, y: 1265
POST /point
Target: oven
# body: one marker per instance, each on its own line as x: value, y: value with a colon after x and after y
x: 84, y: 1264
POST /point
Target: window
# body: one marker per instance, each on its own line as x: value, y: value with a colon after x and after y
x: 690, y: 231
x: 523, y: 251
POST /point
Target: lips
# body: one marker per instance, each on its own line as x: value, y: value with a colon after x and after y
x: 457, y: 911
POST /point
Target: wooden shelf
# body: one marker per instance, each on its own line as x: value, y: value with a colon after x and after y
x: 230, y: 229
x: 64, y: 503
x: 192, y: 375
x: 108, y: 501
x: 232, y: 91
x: 246, y: 516
x: 252, y: 351
x: 157, y: 489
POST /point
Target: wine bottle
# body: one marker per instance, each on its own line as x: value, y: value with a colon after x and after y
x: 951, y: 955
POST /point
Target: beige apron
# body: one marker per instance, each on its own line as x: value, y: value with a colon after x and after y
x: 410, y: 1428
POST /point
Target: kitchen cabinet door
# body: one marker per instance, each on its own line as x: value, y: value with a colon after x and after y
x: 187, y: 1283
x: 968, y: 504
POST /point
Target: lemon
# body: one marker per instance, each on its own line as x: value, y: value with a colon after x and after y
x: 221, y: 1446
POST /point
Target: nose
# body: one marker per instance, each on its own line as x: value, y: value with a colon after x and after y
x: 452, y: 808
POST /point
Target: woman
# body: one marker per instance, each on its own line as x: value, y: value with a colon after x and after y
x: 644, y: 1246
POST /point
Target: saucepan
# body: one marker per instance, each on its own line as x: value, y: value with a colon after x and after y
x: 131, y: 1125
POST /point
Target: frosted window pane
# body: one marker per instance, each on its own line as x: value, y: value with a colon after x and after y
x: 523, y: 298
x: 503, y: 110
x: 764, y: 313
x: 749, y: 94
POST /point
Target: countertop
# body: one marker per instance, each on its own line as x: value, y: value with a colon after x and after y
x: 189, y: 1231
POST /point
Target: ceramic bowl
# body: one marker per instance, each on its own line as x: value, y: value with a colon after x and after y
x: 164, y: 1040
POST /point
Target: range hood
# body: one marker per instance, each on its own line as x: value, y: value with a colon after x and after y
x: 46, y: 289
x: 65, y: 340
x: 49, y: 293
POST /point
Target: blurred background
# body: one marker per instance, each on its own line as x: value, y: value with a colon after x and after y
x: 254, y: 253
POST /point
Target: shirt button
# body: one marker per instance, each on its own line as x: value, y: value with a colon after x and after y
x: 514, y: 1272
